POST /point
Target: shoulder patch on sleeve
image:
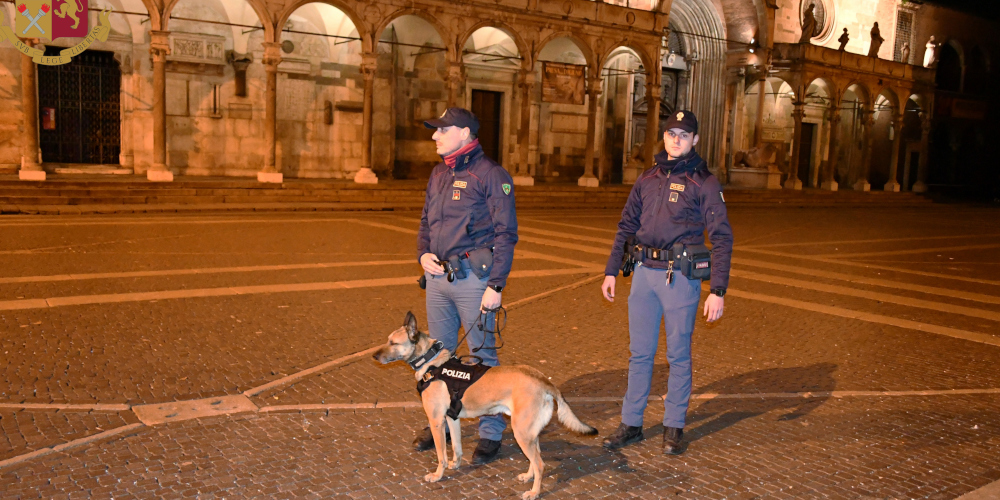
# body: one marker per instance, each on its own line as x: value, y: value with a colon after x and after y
x: 506, y: 188
x: 723, y: 197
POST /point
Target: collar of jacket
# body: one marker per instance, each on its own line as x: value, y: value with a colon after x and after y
x: 465, y: 155
x: 687, y: 163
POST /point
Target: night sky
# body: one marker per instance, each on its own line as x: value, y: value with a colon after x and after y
x: 989, y: 9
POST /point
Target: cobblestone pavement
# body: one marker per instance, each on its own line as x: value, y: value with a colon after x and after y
x: 857, y: 358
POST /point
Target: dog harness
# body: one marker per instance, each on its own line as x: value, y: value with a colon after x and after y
x: 457, y: 376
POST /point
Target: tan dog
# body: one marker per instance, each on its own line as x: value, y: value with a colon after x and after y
x: 519, y: 391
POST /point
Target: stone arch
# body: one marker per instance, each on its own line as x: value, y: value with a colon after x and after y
x: 886, y: 109
x: 263, y: 15
x: 363, y: 33
x: 865, y: 95
x: 637, y: 50
x: 950, y: 66
x: 584, y: 47
x: 706, y: 57
x: 315, y: 27
x: 527, y: 58
x: 826, y: 86
x: 890, y: 95
x: 442, y: 32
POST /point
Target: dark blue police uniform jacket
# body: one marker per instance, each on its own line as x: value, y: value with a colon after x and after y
x: 470, y: 207
x: 675, y: 201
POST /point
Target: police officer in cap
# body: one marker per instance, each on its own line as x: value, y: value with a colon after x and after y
x: 469, y: 224
x: 670, y: 207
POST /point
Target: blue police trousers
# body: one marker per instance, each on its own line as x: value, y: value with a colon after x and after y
x: 451, y: 305
x: 649, y: 301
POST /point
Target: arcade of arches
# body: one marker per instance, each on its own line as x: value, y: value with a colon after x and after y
x: 566, y: 91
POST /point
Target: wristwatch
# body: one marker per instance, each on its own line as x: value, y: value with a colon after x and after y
x: 721, y: 292
x: 496, y: 288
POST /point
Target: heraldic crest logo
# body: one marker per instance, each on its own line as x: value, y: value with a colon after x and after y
x: 52, y: 19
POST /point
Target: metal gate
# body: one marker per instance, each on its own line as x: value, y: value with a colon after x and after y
x: 78, y: 106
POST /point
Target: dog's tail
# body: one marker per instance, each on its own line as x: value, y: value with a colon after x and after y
x: 568, y: 419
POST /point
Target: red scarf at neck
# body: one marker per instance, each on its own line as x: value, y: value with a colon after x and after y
x: 452, y: 158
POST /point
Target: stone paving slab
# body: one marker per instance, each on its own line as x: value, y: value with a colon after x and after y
x: 859, y: 444
x: 30, y: 430
x: 201, y: 347
x: 915, y: 447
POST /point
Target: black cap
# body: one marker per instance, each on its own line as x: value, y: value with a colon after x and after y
x: 455, y: 117
x: 684, y: 120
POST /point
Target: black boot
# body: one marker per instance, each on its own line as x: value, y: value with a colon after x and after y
x: 623, y: 436
x: 487, y: 451
x: 425, y: 440
x: 672, y: 441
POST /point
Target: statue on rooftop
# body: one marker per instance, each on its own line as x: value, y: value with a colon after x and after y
x: 808, y: 24
x: 904, y: 53
x: 843, y: 40
x: 876, y: 41
x: 930, y: 53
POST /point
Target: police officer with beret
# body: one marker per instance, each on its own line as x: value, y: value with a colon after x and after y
x: 468, y: 230
x: 670, y: 207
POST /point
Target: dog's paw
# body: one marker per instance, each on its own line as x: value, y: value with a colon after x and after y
x: 524, y: 478
x: 529, y: 495
x: 433, y: 477
x: 455, y: 464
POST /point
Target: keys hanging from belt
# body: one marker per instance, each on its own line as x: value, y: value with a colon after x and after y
x: 670, y: 272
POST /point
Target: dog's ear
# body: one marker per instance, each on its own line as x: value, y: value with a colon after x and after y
x: 410, y: 323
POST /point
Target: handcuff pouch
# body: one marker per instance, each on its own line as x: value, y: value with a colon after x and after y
x: 481, y: 262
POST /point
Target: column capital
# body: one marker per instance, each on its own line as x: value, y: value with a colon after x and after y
x: 594, y: 86
x: 272, y: 55
x: 456, y: 71
x: 798, y: 111
x: 369, y: 64
x: 526, y: 78
x: 159, y: 45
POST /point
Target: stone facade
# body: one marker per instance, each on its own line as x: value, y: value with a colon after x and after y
x: 340, y: 89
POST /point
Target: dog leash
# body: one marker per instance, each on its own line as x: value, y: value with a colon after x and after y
x: 498, y: 327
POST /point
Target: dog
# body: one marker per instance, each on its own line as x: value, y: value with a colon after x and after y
x: 521, y: 391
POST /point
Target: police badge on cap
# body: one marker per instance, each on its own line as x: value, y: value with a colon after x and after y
x: 684, y: 120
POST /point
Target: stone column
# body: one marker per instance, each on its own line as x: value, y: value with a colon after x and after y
x: 758, y: 131
x: 271, y: 172
x: 833, y: 151
x: 793, y: 181
x: 31, y: 170
x: 897, y: 135
x: 523, y: 176
x: 925, y: 131
x: 868, y: 122
x: 593, y: 94
x: 365, y: 175
x: 455, y: 81
x: 652, y: 121
x: 126, y: 157
x: 159, y: 47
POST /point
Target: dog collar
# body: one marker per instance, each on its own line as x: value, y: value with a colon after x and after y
x: 429, y: 355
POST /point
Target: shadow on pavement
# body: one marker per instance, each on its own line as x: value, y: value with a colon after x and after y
x: 715, y: 415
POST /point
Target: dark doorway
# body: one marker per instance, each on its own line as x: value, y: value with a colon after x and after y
x: 949, y: 69
x: 78, y: 106
x: 488, y: 107
x: 806, y: 153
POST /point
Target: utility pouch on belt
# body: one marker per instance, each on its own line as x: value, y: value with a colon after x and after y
x: 481, y: 261
x: 695, y: 261
x: 628, y: 257
x: 456, y: 264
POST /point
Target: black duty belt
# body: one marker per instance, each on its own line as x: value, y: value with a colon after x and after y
x: 660, y: 254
